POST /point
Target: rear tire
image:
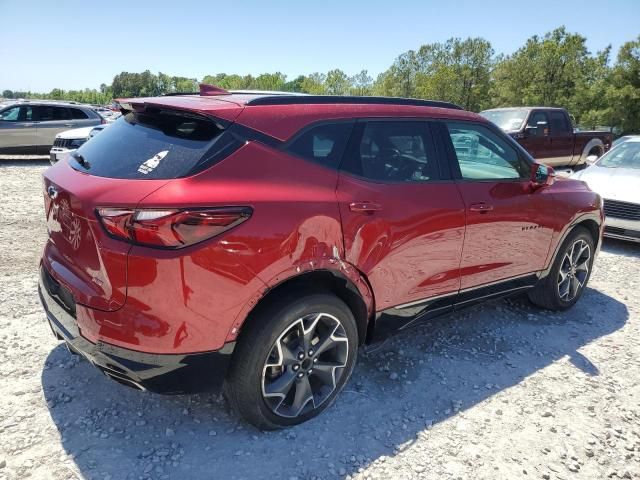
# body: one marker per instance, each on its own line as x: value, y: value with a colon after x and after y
x: 292, y: 361
x: 569, y: 274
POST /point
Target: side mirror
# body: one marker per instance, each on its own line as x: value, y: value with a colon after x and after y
x: 540, y: 130
x: 542, y: 176
x: 591, y: 159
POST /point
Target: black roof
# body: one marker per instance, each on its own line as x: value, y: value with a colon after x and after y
x: 339, y: 99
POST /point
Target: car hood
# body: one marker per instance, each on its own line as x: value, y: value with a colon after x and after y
x: 75, y: 133
x: 612, y: 183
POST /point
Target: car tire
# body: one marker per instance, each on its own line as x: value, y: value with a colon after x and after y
x: 568, y: 277
x: 276, y: 378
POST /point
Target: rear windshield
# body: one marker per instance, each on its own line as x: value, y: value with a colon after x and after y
x: 160, y: 145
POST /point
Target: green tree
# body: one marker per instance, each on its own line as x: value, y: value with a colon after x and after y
x: 314, y: 84
x: 361, y: 84
x: 269, y: 81
x: 622, y: 96
x: 545, y: 71
x: 337, y: 82
x: 294, y: 85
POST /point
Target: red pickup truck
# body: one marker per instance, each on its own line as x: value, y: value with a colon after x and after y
x: 548, y: 134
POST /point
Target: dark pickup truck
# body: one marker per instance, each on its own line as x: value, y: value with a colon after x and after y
x: 548, y: 134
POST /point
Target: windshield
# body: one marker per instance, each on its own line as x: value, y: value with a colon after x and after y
x: 511, y: 119
x: 625, y: 155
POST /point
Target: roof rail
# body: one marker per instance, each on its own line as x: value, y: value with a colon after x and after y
x: 331, y: 99
x: 266, y: 92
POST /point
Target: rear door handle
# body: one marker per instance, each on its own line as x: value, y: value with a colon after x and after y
x: 365, y: 207
x: 480, y: 207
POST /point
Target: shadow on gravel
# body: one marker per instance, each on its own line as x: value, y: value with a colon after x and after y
x: 411, y: 382
x: 621, y: 247
x: 24, y: 163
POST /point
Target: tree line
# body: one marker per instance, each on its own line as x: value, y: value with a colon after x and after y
x: 556, y: 69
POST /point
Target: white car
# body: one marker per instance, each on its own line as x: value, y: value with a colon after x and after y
x: 616, y: 177
x: 70, y: 140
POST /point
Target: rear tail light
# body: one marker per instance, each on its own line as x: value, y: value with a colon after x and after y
x: 103, y: 121
x: 170, y: 228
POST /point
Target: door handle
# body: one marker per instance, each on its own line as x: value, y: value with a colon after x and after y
x: 480, y: 207
x: 69, y: 124
x: 27, y: 125
x: 365, y: 207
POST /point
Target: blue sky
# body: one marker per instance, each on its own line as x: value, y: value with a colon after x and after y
x: 78, y: 44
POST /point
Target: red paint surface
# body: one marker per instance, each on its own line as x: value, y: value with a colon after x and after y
x: 195, y: 299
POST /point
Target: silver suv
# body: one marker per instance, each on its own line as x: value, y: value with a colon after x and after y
x: 29, y: 127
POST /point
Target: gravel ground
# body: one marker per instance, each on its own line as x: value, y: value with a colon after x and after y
x: 501, y: 391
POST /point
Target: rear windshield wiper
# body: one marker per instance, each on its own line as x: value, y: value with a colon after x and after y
x: 80, y: 159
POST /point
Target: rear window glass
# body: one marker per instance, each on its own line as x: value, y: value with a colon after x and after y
x: 155, y: 146
x: 323, y: 144
x: 78, y: 114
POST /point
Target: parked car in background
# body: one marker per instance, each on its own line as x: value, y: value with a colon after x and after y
x: 616, y: 177
x: 254, y: 242
x: 70, y: 140
x: 624, y: 138
x: 549, y: 136
x: 30, y: 127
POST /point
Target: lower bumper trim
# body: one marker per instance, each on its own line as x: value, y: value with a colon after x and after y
x: 160, y: 373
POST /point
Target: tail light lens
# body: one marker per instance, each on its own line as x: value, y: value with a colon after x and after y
x: 171, y: 228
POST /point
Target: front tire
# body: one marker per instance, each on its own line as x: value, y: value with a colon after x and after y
x: 292, y: 361
x: 569, y: 274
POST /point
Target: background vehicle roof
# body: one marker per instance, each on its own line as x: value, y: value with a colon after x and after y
x: 523, y: 108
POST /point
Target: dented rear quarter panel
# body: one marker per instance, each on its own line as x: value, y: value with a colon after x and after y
x: 211, y: 287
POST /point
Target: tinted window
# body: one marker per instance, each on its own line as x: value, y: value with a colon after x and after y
x: 47, y: 113
x: 159, y: 145
x: 394, y: 152
x: 323, y: 144
x: 483, y: 155
x: 558, y: 122
x: 78, y: 114
x: 537, y: 117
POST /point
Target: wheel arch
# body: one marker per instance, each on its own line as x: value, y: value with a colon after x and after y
x: 321, y: 281
x: 589, y: 222
x: 591, y: 144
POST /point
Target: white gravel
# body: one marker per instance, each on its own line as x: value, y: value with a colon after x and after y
x: 501, y: 391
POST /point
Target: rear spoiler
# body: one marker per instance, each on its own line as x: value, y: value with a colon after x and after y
x: 129, y: 105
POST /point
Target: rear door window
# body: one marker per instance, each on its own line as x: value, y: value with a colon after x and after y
x: 78, y: 114
x: 160, y: 145
x: 394, y: 151
x: 47, y: 113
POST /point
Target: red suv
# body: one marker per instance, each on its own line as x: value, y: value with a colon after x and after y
x: 256, y: 241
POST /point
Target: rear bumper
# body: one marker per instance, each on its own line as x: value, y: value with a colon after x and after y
x: 160, y: 373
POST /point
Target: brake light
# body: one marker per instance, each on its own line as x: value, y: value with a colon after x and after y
x: 170, y: 228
